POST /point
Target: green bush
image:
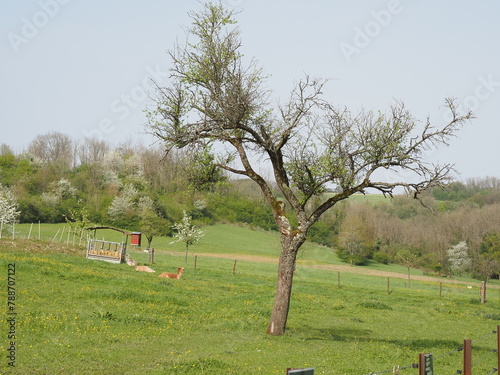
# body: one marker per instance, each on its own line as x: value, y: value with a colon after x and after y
x: 354, y: 259
x: 321, y: 233
x: 234, y: 208
x: 381, y: 257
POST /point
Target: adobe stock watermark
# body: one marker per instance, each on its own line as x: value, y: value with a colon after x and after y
x: 31, y: 26
x: 123, y: 106
x: 483, y: 91
x: 363, y: 36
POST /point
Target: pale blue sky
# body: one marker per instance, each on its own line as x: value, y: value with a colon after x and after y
x: 79, y: 66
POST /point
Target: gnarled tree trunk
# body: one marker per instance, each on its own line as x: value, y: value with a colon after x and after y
x: 291, y: 244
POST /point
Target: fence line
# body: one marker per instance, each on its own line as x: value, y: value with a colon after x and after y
x: 77, y: 236
x: 66, y: 234
x: 467, y: 363
x: 391, y: 284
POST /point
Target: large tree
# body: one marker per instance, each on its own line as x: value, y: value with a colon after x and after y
x: 53, y: 148
x: 217, y: 97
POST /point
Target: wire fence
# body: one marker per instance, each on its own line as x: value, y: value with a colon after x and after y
x: 489, y: 358
x: 74, y: 236
x: 65, y: 234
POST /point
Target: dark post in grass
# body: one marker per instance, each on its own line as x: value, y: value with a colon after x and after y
x: 498, y: 346
x: 467, y: 357
x: 234, y: 267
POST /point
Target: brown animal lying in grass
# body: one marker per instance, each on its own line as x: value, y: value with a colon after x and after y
x: 144, y: 269
x: 169, y: 275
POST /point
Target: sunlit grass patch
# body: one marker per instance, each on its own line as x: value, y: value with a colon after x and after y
x: 92, y: 317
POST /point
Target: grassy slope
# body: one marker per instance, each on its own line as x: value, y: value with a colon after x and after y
x: 90, y: 317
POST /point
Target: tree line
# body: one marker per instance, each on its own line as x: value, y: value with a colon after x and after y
x: 139, y: 188
x: 131, y: 186
x: 393, y: 232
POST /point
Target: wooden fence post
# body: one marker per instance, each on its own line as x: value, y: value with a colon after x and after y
x: 54, y: 238
x: 388, y: 285
x: 441, y: 289
x: 425, y: 364
x: 151, y: 255
x: 338, y: 279
x: 29, y: 234
x: 234, y: 267
x: 195, y: 261
x: 467, y: 357
x: 421, y: 367
x: 498, y: 346
x: 483, y: 292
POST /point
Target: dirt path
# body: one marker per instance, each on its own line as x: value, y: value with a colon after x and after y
x: 338, y: 268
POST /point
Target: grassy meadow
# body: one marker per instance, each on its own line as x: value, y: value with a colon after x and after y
x: 77, y: 316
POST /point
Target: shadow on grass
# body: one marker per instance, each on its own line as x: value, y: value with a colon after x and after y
x: 333, y: 334
x: 366, y: 335
x: 199, y: 366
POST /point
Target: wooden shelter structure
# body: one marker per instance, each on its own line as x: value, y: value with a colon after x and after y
x: 109, y: 251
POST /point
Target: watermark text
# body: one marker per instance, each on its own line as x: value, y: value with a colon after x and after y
x: 363, y: 36
x: 123, y: 105
x: 32, y: 25
x: 11, y: 316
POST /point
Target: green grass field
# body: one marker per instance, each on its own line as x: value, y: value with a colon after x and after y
x: 77, y: 316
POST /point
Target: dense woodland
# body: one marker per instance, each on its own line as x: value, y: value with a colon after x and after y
x: 136, y: 187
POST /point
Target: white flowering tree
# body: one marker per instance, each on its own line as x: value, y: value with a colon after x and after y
x: 187, y: 233
x: 8, y: 207
x: 458, y: 257
x: 62, y: 189
x: 123, y: 203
